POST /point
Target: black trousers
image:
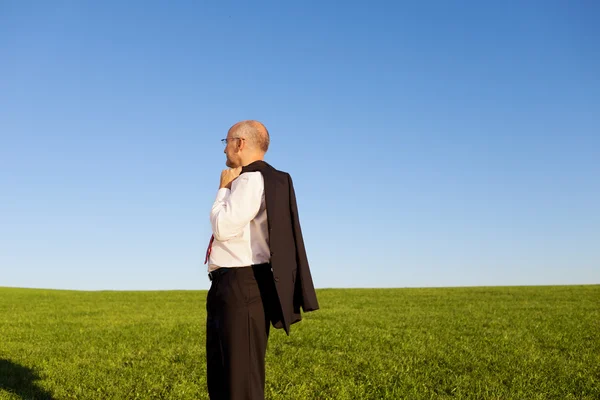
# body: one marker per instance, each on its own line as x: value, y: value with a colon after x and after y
x: 239, y: 305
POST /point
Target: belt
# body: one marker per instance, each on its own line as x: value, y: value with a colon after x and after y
x: 217, y: 272
x: 223, y: 270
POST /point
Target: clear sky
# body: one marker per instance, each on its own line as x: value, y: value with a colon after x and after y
x: 431, y: 143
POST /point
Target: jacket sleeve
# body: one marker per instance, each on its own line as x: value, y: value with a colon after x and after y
x: 304, y: 280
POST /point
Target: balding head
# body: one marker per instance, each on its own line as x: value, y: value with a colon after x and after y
x: 247, y: 141
x: 254, y: 133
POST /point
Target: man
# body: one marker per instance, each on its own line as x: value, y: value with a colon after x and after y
x: 257, y: 265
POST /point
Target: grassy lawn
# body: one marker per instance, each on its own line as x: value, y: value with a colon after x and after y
x: 477, y: 343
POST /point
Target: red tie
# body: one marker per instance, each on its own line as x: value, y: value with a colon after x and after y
x: 212, y: 238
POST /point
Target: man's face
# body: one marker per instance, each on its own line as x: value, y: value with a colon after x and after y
x: 232, y: 151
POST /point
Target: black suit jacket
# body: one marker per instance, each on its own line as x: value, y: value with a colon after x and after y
x: 291, y: 272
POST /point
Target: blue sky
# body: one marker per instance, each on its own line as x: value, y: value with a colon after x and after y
x: 431, y: 144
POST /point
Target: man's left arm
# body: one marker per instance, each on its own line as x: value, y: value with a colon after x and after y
x: 234, y: 208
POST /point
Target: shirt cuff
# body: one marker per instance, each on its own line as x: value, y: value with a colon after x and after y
x: 222, y: 194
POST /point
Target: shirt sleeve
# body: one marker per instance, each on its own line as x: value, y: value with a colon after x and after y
x: 234, y: 209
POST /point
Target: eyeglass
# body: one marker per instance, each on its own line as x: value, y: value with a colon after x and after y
x: 224, y: 141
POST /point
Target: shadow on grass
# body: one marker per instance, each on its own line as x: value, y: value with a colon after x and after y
x: 21, y: 381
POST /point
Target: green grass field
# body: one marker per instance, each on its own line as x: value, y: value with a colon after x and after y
x: 476, y: 343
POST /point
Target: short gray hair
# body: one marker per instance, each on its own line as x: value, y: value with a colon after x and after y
x: 255, y: 133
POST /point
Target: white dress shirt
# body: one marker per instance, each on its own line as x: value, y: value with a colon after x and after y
x: 239, y: 224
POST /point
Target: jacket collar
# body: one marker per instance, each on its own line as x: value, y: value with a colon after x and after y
x: 258, y: 165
